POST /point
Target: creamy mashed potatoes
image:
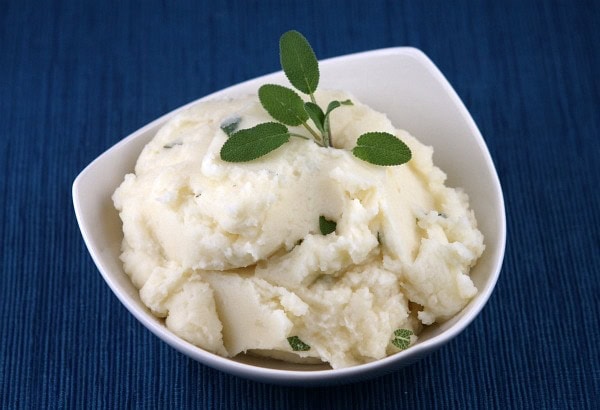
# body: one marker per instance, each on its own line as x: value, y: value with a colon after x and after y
x: 232, y: 257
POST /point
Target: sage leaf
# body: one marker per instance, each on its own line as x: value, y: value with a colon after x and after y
x: 283, y: 104
x: 297, y: 345
x: 299, y: 62
x: 326, y: 226
x: 381, y: 148
x: 335, y: 104
x: 316, y: 114
x: 402, y: 338
x: 251, y: 143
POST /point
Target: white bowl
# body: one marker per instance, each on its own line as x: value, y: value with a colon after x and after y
x: 408, y: 87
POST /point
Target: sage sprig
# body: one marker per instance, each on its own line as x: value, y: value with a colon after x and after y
x: 301, y: 67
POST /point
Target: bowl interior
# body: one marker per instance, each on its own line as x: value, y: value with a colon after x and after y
x: 403, y: 83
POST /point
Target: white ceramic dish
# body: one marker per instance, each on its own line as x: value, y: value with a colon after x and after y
x: 407, y: 86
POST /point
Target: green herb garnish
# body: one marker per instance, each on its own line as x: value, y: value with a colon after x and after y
x: 301, y: 67
x: 229, y: 126
x: 381, y: 148
x: 402, y: 338
x: 252, y: 143
x: 283, y: 104
x: 299, y: 62
x: 297, y: 345
x: 326, y: 226
x: 172, y: 144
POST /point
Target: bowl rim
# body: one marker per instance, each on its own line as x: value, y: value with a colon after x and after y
x: 309, y: 377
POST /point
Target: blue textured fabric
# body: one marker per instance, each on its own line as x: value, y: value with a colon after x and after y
x: 77, y: 76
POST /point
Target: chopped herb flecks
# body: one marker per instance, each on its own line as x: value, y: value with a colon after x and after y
x: 229, y: 126
x: 402, y: 338
x: 326, y: 226
x: 297, y: 345
x: 172, y: 144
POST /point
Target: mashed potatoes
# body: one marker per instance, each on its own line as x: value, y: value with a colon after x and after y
x: 232, y: 257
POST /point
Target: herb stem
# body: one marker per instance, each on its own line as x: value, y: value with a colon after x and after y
x: 319, y: 143
x: 299, y: 136
x: 328, y: 134
x: 326, y: 141
x: 312, y: 132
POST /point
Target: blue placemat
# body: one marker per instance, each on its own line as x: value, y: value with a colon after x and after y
x: 77, y: 76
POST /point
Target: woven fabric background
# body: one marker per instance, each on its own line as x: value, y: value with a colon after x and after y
x: 78, y: 76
